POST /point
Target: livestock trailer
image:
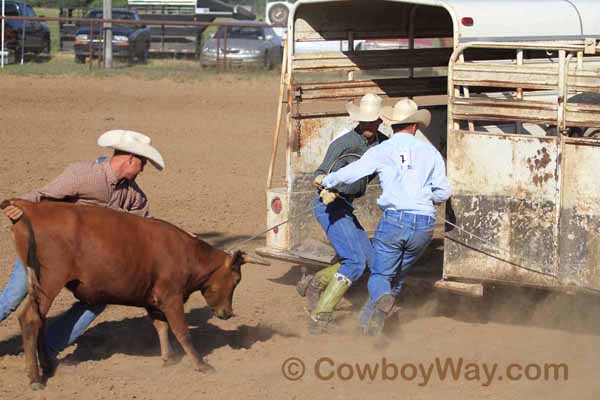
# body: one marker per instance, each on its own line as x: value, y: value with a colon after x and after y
x: 509, y: 82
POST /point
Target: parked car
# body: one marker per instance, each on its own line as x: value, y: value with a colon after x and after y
x: 249, y: 44
x: 37, y: 34
x: 130, y: 41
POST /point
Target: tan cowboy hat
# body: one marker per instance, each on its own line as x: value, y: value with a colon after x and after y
x: 405, y: 112
x: 368, y: 110
x: 134, y: 143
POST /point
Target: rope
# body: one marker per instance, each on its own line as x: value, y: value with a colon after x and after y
x: 497, y: 248
x: 240, y: 243
x: 237, y: 244
x: 492, y: 248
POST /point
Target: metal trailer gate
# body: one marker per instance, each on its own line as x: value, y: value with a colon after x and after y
x: 531, y: 199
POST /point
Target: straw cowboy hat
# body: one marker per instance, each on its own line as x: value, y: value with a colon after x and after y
x: 134, y: 143
x: 368, y: 110
x: 406, y: 112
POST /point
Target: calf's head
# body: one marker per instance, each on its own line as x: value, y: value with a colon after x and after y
x: 218, y: 290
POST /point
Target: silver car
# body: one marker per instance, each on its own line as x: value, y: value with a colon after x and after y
x: 250, y: 44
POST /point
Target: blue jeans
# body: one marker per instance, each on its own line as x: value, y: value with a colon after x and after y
x: 65, y: 329
x: 347, y: 236
x: 400, y: 239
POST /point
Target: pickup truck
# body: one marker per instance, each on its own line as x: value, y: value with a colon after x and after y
x: 37, y: 35
x: 130, y: 41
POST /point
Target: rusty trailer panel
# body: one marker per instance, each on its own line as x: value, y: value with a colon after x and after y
x: 535, y: 76
x: 509, y: 76
x: 583, y: 115
x: 371, y: 60
x: 486, y: 109
x: 311, y: 135
x: 580, y: 216
x: 392, y: 88
x: 504, y: 191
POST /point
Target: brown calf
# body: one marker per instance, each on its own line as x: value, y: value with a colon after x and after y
x: 110, y: 257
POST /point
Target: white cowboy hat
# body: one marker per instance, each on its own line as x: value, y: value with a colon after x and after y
x: 405, y: 112
x: 368, y: 110
x: 134, y: 143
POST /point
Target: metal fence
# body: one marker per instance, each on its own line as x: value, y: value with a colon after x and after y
x: 95, y: 44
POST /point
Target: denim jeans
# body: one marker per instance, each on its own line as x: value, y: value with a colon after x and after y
x: 65, y: 329
x: 400, y: 239
x: 347, y: 236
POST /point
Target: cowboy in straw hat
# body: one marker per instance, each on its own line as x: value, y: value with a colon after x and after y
x: 335, y: 215
x: 413, y: 179
x: 106, y: 182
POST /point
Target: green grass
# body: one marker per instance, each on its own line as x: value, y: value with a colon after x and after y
x: 63, y: 64
x: 52, y: 25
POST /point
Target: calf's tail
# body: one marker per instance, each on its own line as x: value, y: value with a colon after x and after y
x: 33, y: 263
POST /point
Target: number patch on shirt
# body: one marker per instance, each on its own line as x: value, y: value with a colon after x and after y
x: 404, y: 159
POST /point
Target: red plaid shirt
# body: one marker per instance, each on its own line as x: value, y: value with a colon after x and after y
x: 94, y: 183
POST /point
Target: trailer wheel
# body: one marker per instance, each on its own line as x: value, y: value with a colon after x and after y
x: 79, y: 59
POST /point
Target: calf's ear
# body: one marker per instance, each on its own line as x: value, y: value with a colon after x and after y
x: 237, y: 259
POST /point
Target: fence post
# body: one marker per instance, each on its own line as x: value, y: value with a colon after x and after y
x: 225, y: 50
x: 2, y: 38
x: 108, y: 35
x: 91, y: 38
x: 23, y: 42
x: 218, y: 50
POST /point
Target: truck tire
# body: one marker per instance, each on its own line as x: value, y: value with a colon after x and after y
x: 79, y: 59
x: 268, y: 62
x: 143, y: 58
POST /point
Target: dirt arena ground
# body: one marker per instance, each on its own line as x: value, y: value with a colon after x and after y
x: 215, y: 136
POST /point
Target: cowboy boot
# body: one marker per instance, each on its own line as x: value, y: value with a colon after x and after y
x: 304, y: 282
x: 323, y: 277
x: 322, y: 315
x: 383, y: 308
x: 311, y: 286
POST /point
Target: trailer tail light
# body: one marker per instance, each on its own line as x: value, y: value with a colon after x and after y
x: 276, y: 205
x: 467, y: 21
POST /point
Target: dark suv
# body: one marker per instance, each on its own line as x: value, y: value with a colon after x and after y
x: 37, y: 34
x: 129, y: 41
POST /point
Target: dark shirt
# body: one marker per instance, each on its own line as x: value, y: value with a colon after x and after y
x: 343, y: 151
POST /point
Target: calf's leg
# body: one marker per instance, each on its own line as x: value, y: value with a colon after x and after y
x: 162, y: 329
x: 47, y: 362
x: 179, y: 326
x: 31, y: 323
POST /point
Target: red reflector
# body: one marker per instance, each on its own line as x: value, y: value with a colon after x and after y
x: 467, y: 21
x: 276, y: 205
x: 275, y: 230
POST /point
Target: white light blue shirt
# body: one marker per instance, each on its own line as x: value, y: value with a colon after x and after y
x: 412, y: 174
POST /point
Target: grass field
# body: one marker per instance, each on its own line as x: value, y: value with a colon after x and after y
x: 53, y: 25
x: 180, y: 70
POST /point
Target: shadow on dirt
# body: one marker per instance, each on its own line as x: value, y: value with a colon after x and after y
x: 136, y: 336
